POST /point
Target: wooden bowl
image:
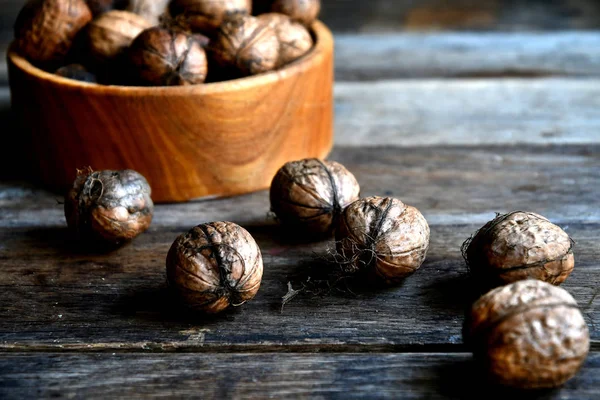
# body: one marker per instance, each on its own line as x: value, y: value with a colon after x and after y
x: 216, y: 139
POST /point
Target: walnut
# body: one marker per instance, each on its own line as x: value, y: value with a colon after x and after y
x: 294, y: 39
x: 45, y: 29
x: 110, y: 207
x: 165, y: 57
x: 519, y: 245
x: 303, y: 11
x: 245, y: 46
x: 214, y: 266
x: 112, y: 33
x: 310, y: 195
x: 76, y: 72
x: 205, y: 16
x: 528, y: 334
x: 382, y: 237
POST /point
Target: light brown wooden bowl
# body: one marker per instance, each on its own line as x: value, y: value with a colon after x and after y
x: 217, y: 139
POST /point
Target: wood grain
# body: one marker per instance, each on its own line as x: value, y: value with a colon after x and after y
x: 473, y: 112
x: 470, y: 55
x: 216, y: 139
x: 55, y: 294
x: 242, y: 376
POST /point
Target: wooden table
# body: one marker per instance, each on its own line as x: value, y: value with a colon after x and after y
x: 494, y: 122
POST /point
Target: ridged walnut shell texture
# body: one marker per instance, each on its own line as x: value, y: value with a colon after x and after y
x: 245, y: 46
x: 164, y: 57
x: 303, y: 11
x: 45, y: 29
x: 109, y: 206
x: 214, y: 266
x: 528, y: 334
x: 520, y: 245
x: 383, y: 237
x: 205, y: 16
x: 294, y: 39
x: 311, y: 194
x: 150, y: 10
x: 111, y: 33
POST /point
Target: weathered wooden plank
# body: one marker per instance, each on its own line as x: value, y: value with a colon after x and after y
x: 451, y: 185
x: 240, y: 376
x: 473, y: 112
x: 56, y: 298
x: 424, y: 55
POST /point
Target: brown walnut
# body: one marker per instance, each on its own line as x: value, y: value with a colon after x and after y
x: 245, y: 46
x: 311, y: 194
x: 45, y: 29
x: 205, y: 16
x: 519, y: 245
x: 76, y: 72
x: 109, y: 206
x: 528, y: 334
x: 165, y: 57
x: 294, y: 39
x: 113, y: 32
x: 383, y: 237
x: 214, y: 266
x: 303, y: 11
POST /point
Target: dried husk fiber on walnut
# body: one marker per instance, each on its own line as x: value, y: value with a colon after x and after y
x: 310, y: 194
x: 205, y: 16
x: 528, y: 334
x: 519, y: 245
x: 294, y: 39
x: 214, y: 266
x: 383, y: 238
x: 111, y: 33
x: 245, y: 46
x: 303, y: 11
x: 45, y: 29
x: 165, y: 57
x: 110, y: 207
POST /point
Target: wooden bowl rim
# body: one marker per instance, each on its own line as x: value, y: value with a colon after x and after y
x: 323, y: 45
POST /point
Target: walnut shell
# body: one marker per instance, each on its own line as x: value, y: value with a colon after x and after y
x: 311, y: 194
x: 303, y: 11
x: 245, y: 46
x: 109, y: 206
x: 113, y: 32
x: 294, y: 39
x: 383, y: 237
x: 165, y: 57
x: 45, y: 29
x: 150, y: 10
x: 528, y: 334
x: 520, y: 245
x: 205, y: 16
x: 214, y: 266
x: 76, y: 72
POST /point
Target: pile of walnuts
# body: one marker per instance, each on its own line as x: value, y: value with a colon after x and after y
x: 162, y: 42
